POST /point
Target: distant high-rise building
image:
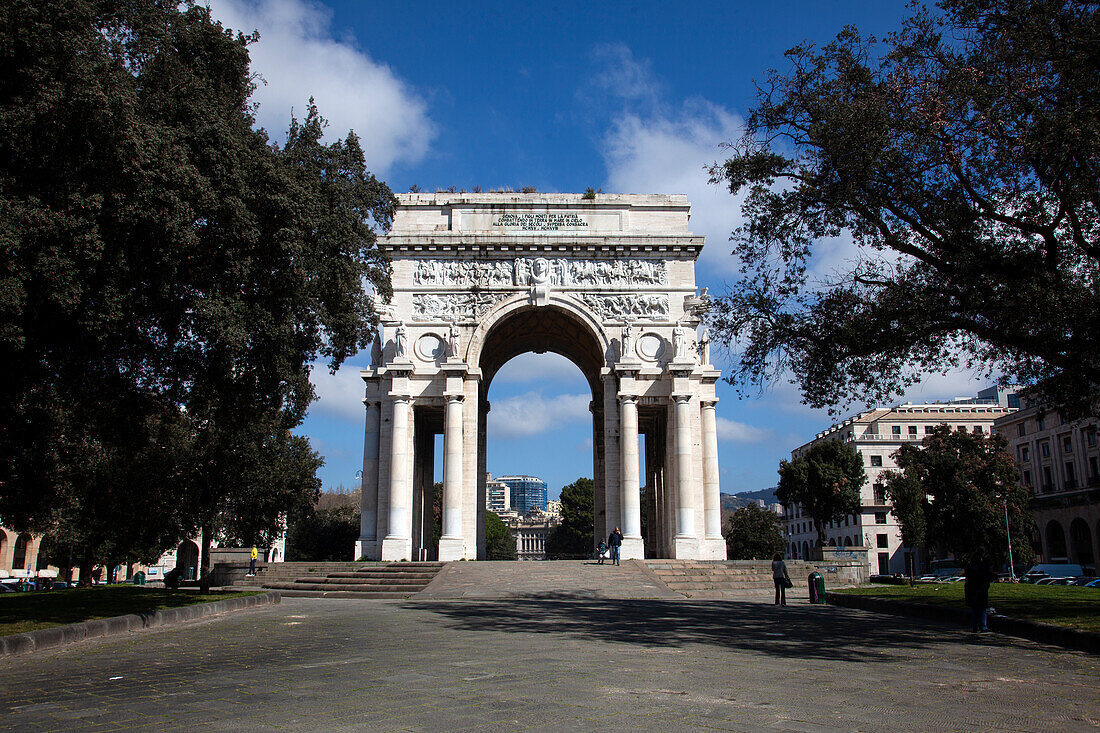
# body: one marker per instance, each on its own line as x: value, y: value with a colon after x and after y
x: 497, y: 495
x: 527, y: 492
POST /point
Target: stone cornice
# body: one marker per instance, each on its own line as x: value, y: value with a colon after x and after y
x: 513, y: 244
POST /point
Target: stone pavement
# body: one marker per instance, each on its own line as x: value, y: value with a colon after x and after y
x: 552, y: 665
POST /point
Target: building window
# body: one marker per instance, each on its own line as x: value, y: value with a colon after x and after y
x: 880, y: 518
x: 1092, y: 466
x: 1027, y: 479
x: 1071, y: 476
x: 960, y: 428
x: 880, y: 493
x: 1041, y: 423
x: 1025, y: 454
x: 1090, y: 437
x: 1047, y: 479
x: 978, y: 429
x: 1021, y: 429
x: 882, y: 541
x: 912, y: 431
x: 896, y: 430
x: 1044, y: 448
x: 1067, y: 444
x: 876, y: 461
x: 928, y: 429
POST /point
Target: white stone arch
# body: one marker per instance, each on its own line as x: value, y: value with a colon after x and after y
x: 615, y: 276
x: 503, y: 310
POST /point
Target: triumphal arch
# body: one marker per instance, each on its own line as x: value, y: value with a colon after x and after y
x: 609, y: 283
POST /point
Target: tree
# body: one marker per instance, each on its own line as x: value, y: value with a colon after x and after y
x: 163, y: 261
x: 753, y: 533
x: 825, y: 480
x: 955, y: 490
x: 500, y: 543
x: 323, y: 534
x: 574, y: 536
x: 962, y: 155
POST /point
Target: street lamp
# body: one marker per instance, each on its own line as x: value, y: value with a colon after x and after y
x: 1008, y: 534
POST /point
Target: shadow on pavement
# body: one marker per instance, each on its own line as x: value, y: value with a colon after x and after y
x: 800, y: 632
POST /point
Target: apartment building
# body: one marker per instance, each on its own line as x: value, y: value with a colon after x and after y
x: 876, y: 435
x: 1059, y: 463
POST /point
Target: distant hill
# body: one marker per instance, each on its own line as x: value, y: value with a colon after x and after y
x: 733, y: 502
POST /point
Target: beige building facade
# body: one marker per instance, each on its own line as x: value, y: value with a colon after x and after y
x: 609, y: 283
x: 1059, y: 463
x: 18, y: 553
x: 876, y: 435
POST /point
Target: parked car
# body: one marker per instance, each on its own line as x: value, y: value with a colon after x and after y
x: 1045, y: 581
x: 1053, y: 570
x: 1094, y: 584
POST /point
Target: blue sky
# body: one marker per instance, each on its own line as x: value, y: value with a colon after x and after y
x: 624, y: 97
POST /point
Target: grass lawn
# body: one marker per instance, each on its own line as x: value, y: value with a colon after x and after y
x: 21, y: 612
x: 1071, y: 606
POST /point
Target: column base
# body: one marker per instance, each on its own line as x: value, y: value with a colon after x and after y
x: 452, y: 548
x: 712, y: 548
x: 367, y: 550
x: 633, y: 548
x: 397, y: 549
x: 685, y: 548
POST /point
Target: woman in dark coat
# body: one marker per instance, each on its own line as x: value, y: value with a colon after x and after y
x: 976, y: 591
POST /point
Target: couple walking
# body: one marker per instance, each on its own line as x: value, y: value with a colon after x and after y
x: 614, y: 541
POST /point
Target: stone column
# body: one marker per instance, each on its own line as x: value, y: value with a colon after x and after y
x: 629, y: 499
x: 367, y: 546
x: 452, y: 545
x: 685, y: 542
x: 397, y: 545
x: 715, y: 548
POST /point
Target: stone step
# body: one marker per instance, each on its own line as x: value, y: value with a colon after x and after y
x: 354, y: 580
x: 356, y: 587
x: 719, y: 585
x: 384, y: 574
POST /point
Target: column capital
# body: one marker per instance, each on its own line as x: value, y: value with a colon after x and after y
x: 708, y: 403
x: 627, y: 398
x: 400, y: 398
x: 680, y: 397
x: 454, y: 396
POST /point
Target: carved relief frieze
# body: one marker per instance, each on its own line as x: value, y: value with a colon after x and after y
x: 561, y: 272
x: 453, y: 306
x: 628, y: 307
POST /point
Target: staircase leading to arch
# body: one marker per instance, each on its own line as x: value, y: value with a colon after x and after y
x: 346, y: 580
x: 726, y: 579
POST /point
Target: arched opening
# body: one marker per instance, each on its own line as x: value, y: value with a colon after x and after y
x: 805, y: 551
x: 541, y: 367
x: 187, y: 560
x: 847, y: 541
x: 19, y: 558
x: 1081, y: 542
x: 1056, y: 542
x: 3, y: 546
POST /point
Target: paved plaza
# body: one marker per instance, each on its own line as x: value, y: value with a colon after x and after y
x: 552, y: 664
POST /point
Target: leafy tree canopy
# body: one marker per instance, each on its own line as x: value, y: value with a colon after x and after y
x: 167, y: 275
x: 962, y: 155
x: 500, y: 543
x: 954, y: 490
x: 574, y: 536
x: 825, y: 480
x: 753, y: 533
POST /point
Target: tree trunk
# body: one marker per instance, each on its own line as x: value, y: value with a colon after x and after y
x: 86, y: 565
x: 204, y: 561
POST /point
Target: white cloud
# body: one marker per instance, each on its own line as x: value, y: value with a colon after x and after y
x: 542, y: 368
x: 620, y: 76
x: 298, y: 58
x: 339, y: 395
x: 739, y: 432
x: 668, y: 152
x: 524, y: 415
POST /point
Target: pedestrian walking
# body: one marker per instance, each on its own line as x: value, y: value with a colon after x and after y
x: 781, y: 579
x: 615, y: 541
x: 252, y: 561
x: 978, y: 576
x: 601, y: 550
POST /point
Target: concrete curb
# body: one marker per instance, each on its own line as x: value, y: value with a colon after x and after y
x: 1062, y: 636
x: 55, y: 636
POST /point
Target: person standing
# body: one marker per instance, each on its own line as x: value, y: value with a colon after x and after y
x: 779, y: 577
x: 615, y: 541
x: 252, y: 561
x: 976, y: 591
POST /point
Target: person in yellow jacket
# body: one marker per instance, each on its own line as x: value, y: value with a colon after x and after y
x: 252, y: 561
